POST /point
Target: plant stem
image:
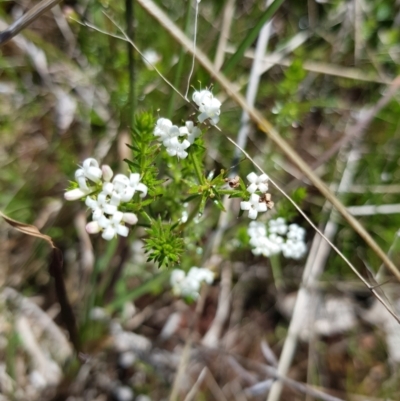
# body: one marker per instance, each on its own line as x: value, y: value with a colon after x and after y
x: 197, y: 169
x: 277, y: 271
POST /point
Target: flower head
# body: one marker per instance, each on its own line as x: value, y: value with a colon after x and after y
x: 208, y: 105
x: 278, y: 226
x: 257, y: 183
x: 162, y: 128
x: 176, y: 148
x: 268, y: 241
x: 191, y: 131
x: 188, y: 285
x: 106, y: 197
x: 254, y: 206
x: 296, y: 233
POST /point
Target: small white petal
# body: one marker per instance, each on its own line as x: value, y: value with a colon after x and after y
x: 109, y: 233
x: 183, y: 131
x: 97, y: 214
x: 115, y: 199
x: 110, y: 209
x: 127, y: 194
x: 123, y: 231
x: 93, y: 173
x: 171, y: 151
x: 214, y: 120
x: 189, y: 125
x: 252, y: 188
x: 263, y: 187
x: 142, y: 188
x: 91, y: 203
x: 103, y: 221
x: 202, y: 117
x: 81, y: 179
x: 253, y: 214
x: 261, y: 207
x: 245, y: 205
x: 134, y: 179
x: 177, y: 276
x: 182, y: 154
x: 108, y: 188
x: 117, y: 217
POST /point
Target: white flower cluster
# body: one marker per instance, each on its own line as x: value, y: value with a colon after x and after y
x: 169, y: 134
x: 256, y: 204
x: 105, y: 214
x: 208, y: 105
x: 188, y: 285
x: 268, y: 241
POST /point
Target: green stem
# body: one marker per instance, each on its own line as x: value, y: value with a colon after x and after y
x: 197, y: 169
x: 226, y: 192
x: 277, y: 271
x: 251, y: 37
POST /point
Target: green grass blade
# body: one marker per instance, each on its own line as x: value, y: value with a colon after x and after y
x: 251, y: 36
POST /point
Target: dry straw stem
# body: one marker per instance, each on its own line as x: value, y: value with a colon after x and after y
x: 266, y: 127
x: 30, y: 16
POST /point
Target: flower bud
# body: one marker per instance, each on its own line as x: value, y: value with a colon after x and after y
x: 130, y: 218
x: 75, y: 194
x: 107, y: 173
x: 93, y: 227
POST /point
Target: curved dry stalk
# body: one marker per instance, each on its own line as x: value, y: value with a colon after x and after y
x: 265, y: 126
x: 30, y: 16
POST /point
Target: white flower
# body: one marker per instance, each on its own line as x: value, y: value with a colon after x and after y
x: 257, y: 182
x: 176, y: 148
x: 162, y: 128
x: 191, y: 131
x: 201, y: 274
x: 294, y: 249
x: 271, y: 242
x: 265, y: 246
x: 177, y: 276
x: 254, y: 206
x: 296, y: 233
x: 136, y: 185
x: 278, y: 226
x: 188, y: 285
x: 172, y: 133
x: 90, y: 169
x: 122, y: 189
x: 208, y: 105
x: 257, y: 229
x: 101, y: 206
x: 112, y: 226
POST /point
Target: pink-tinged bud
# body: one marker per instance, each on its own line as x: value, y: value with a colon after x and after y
x: 93, y: 227
x: 130, y: 218
x: 107, y: 173
x: 75, y: 194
